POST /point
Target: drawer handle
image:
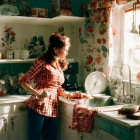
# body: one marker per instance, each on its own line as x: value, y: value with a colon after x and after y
x: 81, y: 137
x: 12, y: 121
x: 21, y: 109
x: 5, y: 124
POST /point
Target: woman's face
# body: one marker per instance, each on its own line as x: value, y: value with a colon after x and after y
x: 62, y: 53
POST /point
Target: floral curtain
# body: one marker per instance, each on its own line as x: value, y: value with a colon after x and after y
x: 97, y: 36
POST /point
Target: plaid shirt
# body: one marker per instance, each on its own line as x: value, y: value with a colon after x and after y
x: 45, y: 78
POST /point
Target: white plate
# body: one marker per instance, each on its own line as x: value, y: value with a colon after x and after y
x: 95, y: 83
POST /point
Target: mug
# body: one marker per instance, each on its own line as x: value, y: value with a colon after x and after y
x: 25, y: 54
x: 17, y: 54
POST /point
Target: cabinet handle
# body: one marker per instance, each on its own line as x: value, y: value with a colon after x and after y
x: 21, y: 109
x: 5, y: 124
x: 69, y: 127
x: 81, y: 137
x: 12, y: 121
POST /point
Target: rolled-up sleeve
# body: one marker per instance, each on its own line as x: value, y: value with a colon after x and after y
x: 59, y: 90
x: 32, y: 73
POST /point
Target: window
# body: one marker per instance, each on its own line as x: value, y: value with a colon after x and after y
x: 132, y: 39
x: 126, y: 42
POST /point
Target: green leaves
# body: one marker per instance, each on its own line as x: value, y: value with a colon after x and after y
x: 104, y: 49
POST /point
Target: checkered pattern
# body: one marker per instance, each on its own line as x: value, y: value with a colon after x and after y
x: 46, y: 78
x: 83, y: 118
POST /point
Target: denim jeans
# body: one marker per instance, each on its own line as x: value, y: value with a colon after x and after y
x: 41, y: 125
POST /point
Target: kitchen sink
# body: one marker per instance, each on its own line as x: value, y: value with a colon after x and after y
x: 100, y: 102
x: 95, y: 102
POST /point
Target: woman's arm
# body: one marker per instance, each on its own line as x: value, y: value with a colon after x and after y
x: 74, y: 95
x: 31, y: 90
x: 61, y: 92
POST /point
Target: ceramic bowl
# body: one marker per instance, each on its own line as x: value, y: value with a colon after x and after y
x: 130, y: 108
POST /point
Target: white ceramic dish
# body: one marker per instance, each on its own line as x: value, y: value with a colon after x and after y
x: 95, y: 83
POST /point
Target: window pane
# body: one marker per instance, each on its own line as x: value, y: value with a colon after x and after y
x: 132, y: 41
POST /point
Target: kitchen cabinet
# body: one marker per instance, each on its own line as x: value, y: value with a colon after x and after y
x: 113, y: 131
x: 4, y: 130
x: 65, y: 131
x: 106, y: 136
x: 4, y: 121
x: 18, y: 122
x: 13, y: 122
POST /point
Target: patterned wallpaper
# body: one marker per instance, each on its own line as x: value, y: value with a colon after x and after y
x: 96, y: 35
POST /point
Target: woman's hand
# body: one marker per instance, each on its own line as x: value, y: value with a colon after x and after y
x: 86, y: 96
x: 21, y: 76
x: 43, y: 95
x: 78, y: 95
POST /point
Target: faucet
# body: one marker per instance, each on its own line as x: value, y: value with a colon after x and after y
x: 129, y: 70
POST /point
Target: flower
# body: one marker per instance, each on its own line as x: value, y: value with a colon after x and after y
x: 89, y: 60
x: 90, y: 29
x: 98, y: 59
x: 9, y: 36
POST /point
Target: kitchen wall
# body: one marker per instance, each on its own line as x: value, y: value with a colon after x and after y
x: 94, y: 37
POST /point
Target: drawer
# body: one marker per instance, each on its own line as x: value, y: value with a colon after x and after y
x: 122, y: 132
x: 105, y: 125
x: 65, y: 110
x: 18, y: 108
x: 116, y: 130
x: 4, y: 109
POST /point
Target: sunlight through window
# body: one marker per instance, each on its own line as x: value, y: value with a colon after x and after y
x: 132, y: 40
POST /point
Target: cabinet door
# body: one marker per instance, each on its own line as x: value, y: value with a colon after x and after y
x: 106, y: 136
x: 18, y: 126
x: 4, y: 127
x: 65, y: 131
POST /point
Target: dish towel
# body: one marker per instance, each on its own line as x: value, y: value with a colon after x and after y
x: 83, y: 118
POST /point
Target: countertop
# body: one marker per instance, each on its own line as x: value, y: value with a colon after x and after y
x: 110, y: 113
x: 120, y: 119
x: 13, y: 99
x: 107, y: 112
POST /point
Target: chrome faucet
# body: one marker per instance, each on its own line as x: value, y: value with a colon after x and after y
x: 129, y: 70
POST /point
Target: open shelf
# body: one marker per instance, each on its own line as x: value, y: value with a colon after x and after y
x: 16, y: 60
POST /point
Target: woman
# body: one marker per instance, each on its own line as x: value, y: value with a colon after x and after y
x: 43, y: 81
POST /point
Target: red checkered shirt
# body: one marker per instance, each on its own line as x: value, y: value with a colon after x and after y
x: 45, y: 78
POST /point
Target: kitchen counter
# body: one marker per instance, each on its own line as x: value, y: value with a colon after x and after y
x: 13, y: 98
x: 108, y: 112
x: 23, y: 98
x: 120, y: 119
